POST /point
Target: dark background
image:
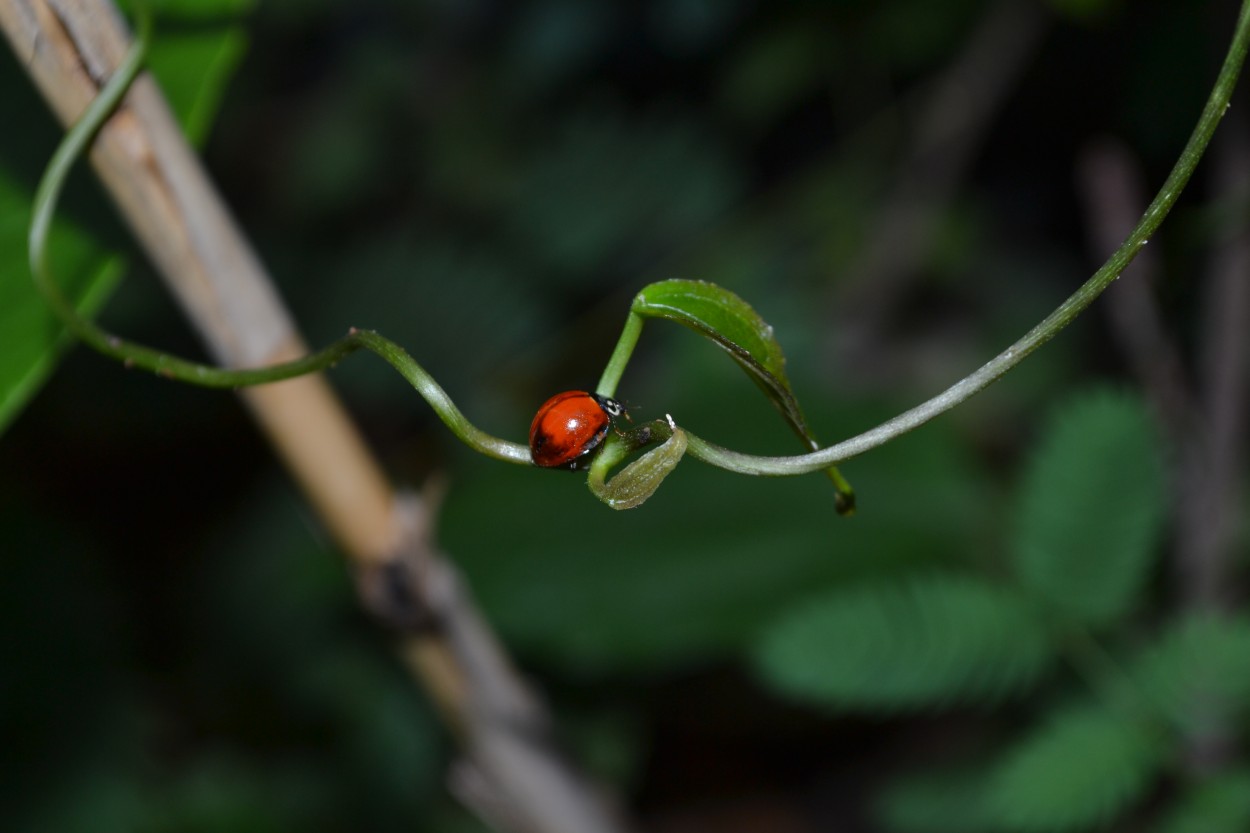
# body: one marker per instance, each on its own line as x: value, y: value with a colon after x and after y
x: 488, y: 184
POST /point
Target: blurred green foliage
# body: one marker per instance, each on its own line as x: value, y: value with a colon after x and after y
x: 1218, y: 805
x: 914, y: 642
x: 193, y: 60
x: 489, y: 185
x: 1091, y: 511
x: 33, y: 335
x: 927, y: 641
x: 1077, y: 771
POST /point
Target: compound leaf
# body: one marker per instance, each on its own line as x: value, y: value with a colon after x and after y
x: 905, y: 644
x: 1092, y: 508
x: 1079, y: 770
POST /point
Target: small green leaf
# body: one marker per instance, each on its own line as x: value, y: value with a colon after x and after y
x: 195, y: 49
x: 906, y: 644
x: 33, y: 337
x: 734, y: 326
x: 1091, y: 509
x: 193, y: 68
x: 1218, y: 805
x: 725, y: 318
x: 1199, y: 670
x: 1081, y: 769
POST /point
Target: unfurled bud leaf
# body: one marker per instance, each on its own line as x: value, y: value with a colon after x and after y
x: 638, y: 481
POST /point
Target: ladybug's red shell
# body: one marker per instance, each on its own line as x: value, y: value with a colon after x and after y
x: 569, y: 426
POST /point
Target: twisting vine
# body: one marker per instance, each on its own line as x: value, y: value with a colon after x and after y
x: 80, y: 136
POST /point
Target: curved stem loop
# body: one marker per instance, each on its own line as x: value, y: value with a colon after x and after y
x: 81, y: 134
x: 72, y: 147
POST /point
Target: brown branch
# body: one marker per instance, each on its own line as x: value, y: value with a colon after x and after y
x: 1206, y: 533
x: 1206, y: 429
x: 1114, y: 200
x: 1205, y: 421
x: 69, y: 47
x: 1224, y: 372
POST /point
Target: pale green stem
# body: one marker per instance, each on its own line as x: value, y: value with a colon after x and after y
x: 620, y: 356
x: 80, y: 136
x: 992, y: 370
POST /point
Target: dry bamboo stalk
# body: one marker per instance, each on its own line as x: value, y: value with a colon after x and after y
x: 69, y: 47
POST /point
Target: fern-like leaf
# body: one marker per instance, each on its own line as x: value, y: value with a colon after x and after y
x: 1199, y: 670
x: 1079, y: 770
x: 904, y: 644
x: 1091, y: 509
x: 1219, y: 805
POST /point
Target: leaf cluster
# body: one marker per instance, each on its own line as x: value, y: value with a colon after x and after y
x: 1087, y: 525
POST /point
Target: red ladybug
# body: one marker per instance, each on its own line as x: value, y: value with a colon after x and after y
x: 569, y: 426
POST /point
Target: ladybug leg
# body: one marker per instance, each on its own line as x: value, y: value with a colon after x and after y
x: 617, y: 412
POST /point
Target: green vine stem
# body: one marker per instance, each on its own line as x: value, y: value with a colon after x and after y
x: 136, y: 355
x: 131, y: 354
x: 1217, y: 104
x: 620, y: 356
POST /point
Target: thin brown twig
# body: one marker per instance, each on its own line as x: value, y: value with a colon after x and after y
x: 1115, y: 198
x: 1204, y: 418
x: 1206, y: 426
x: 1223, y: 369
x: 1206, y: 532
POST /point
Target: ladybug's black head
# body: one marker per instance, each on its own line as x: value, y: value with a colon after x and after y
x: 611, y: 407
